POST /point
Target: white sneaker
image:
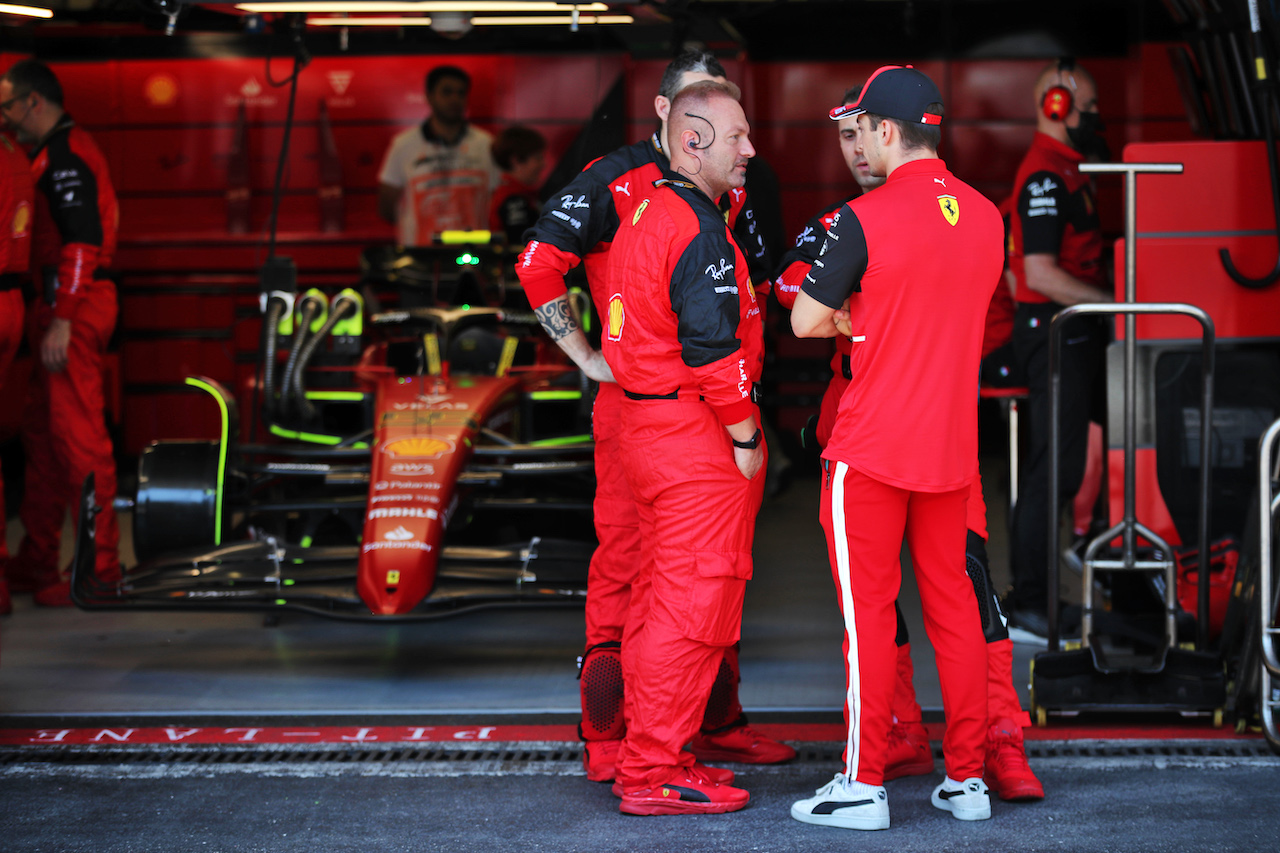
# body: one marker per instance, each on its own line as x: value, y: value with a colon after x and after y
x: 967, y: 800
x: 845, y: 803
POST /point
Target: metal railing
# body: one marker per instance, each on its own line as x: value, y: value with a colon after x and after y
x: 1268, y: 506
x: 1129, y: 528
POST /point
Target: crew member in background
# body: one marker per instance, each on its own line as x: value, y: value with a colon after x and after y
x: 17, y: 207
x: 909, y: 753
x: 69, y: 325
x: 520, y: 153
x: 1055, y: 256
x: 438, y: 176
x: 914, y: 261
x: 685, y: 342
x: 578, y: 226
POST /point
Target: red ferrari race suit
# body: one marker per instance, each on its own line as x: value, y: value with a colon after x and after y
x: 577, y: 225
x: 17, y: 200
x: 64, y: 430
x: 918, y: 260
x: 1002, y: 698
x: 685, y: 341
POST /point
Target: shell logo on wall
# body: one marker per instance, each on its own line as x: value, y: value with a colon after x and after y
x: 160, y: 90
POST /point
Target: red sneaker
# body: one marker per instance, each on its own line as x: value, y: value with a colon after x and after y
x: 740, y: 743
x: 909, y: 752
x: 685, y: 791
x: 57, y: 595
x: 1008, y: 773
x: 600, y: 758
x: 719, y: 775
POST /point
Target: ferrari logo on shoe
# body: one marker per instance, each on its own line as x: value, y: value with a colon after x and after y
x: 950, y: 208
x: 666, y: 792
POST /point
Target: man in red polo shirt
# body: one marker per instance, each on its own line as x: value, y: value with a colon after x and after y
x: 909, y: 752
x: 1055, y: 258
x: 916, y: 262
x: 686, y: 345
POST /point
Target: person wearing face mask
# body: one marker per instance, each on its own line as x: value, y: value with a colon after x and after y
x: 1055, y: 256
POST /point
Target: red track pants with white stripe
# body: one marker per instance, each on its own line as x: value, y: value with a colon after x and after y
x: 865, y: 522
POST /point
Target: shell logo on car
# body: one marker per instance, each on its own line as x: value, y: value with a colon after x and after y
x: 419, y: 447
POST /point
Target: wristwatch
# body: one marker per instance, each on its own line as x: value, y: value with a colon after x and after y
x: 751, y: 443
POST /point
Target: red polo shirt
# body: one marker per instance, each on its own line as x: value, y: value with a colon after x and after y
x: 918, y: 260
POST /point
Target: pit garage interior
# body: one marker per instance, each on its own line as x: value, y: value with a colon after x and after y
x: 246, y: 142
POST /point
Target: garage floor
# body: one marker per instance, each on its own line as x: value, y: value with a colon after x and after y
x: 68, y: 662
x: 132, y: 732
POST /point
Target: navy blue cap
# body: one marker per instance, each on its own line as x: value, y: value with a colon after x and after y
x: 895, y: 91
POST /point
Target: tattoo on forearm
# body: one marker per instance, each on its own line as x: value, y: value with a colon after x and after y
x: 557, y: 319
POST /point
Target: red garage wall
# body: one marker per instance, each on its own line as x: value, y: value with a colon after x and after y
x: 168, y: 127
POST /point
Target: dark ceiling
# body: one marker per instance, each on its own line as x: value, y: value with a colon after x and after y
x: 764, y: 29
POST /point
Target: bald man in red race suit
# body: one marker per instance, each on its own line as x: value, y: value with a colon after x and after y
x: 577, y: 225
x: 685, y: 343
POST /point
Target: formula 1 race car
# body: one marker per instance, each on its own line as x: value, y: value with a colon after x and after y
x: 436, y: 465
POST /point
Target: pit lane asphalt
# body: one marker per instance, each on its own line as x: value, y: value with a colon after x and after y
x: 1132, y: 800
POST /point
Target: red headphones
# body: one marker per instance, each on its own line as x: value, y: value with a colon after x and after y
x: 1058, y: 101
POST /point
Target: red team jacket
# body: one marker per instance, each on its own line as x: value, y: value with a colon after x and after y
x: 700, y: 334
x: 578, y: 223
x: 1055, y: 214
x: 77, y: 215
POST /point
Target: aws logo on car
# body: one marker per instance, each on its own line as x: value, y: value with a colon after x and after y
x: 419, y: 447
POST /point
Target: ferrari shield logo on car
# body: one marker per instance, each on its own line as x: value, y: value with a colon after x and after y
x: 418, y: 448
x: 950, y: 208
x: 617, y: 316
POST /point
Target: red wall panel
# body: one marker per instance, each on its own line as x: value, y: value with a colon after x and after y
x: 1182, y: 223
x: 168, y: 126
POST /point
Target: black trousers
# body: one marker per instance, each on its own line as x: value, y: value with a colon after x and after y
x: 1084, y: 343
